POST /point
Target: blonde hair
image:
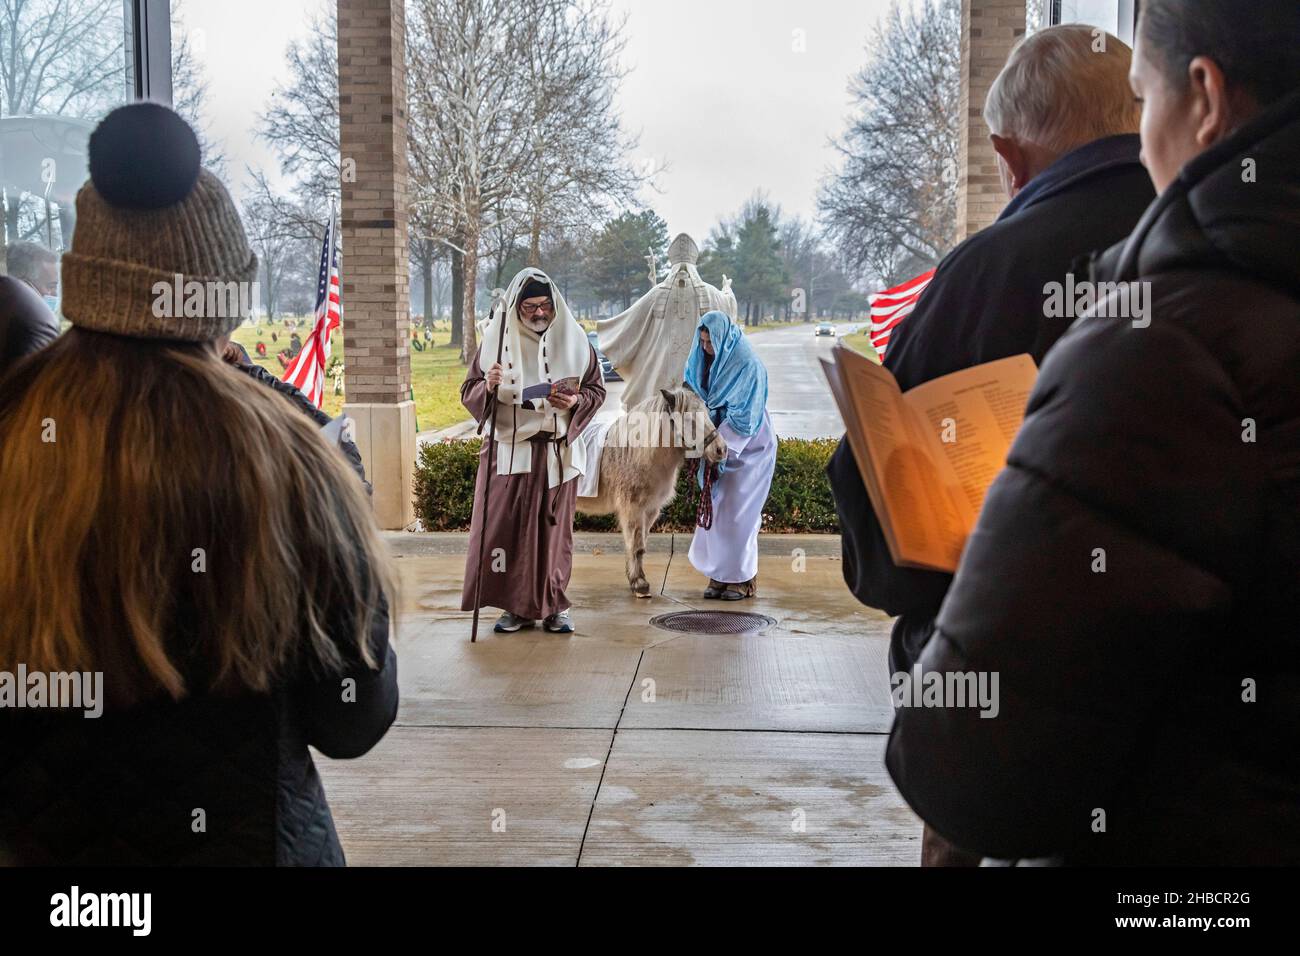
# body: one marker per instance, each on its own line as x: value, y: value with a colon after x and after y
x: 1063, y: 87
x: 176, y: 525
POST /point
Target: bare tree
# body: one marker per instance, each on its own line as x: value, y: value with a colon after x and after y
x: 808, y: 262
x: 287, y: 240
x: 581, y: 169
x: 514, y: 131
x: 502, y: 249
x: 286, y: 231
x: 511, y: 129
x: 429, y: 264
x: 190, y: 88
x: 440, y: 286
x: 891, y: 206
x: 58, y: 58
x: 61, y: 57
x: 302, y: 216
x: 467, y: 99
x: 565, y: 260
x: 302, y: 122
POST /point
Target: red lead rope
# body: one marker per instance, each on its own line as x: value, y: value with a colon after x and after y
x: 704, y: 510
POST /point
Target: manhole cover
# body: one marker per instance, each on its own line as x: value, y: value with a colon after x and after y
x: 713, y: 622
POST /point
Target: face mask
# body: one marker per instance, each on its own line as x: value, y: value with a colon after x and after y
x: 53, y: 302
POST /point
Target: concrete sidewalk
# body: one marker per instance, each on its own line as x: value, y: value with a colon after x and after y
x: 627, y: 744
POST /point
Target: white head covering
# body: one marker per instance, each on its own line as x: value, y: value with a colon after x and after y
x: 649, y: 342
x: 527, y: 359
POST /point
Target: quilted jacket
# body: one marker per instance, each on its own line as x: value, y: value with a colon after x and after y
x: 1134, y: 577
x: 206, y: 781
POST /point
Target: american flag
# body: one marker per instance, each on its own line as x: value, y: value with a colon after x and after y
x: 892, y: 306
x: 307, y: 371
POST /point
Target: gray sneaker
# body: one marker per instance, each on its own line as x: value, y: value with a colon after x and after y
x: 559, y: 623
x: 508, y: 623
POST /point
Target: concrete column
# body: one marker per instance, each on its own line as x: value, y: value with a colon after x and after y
x: 989, y: 29
x: 376, y: 280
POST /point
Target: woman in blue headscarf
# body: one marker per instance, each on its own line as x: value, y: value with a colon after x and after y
x: 724, y: 371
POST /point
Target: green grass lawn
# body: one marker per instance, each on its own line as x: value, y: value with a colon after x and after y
x: 862, y: 343
x: 764, y: 326
x: 436, y: 373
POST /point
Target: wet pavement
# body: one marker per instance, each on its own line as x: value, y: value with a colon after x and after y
x: 627, y: 744
x: 798, y: 398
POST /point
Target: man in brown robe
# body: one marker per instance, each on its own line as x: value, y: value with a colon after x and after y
x: 548, y: 386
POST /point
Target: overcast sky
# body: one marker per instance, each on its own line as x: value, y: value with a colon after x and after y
x: 719, y: 90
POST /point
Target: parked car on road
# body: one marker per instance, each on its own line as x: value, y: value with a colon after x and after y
x: 607, y: 371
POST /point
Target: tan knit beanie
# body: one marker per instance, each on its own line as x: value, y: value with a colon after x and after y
x: 159, y: 250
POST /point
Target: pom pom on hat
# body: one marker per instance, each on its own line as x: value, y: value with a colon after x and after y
x: 152, y: 218
x: 144, y: 156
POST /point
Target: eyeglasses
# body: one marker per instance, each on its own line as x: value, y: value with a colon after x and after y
x: 529, y: 309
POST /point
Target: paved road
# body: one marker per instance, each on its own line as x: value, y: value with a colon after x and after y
x: 799, y: 399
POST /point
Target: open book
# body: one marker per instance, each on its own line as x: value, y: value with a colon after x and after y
x: 543, y: 390
x: 928, y: 456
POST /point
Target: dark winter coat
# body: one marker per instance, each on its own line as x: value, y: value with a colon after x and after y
x: 1134, y: 578
x: 26, y: 323
x: 986, y: 303
x: 208, y: 781
x: 295, y: 395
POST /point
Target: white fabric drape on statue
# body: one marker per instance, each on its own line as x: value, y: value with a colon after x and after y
x: 649, y: 343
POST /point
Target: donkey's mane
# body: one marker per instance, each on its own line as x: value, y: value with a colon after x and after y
x: 658, y: 404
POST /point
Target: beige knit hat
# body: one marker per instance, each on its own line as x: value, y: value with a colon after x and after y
x: 159, y: 250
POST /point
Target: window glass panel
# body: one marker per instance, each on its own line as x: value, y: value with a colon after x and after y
x: 1098, y: 13
x: 63, y: 64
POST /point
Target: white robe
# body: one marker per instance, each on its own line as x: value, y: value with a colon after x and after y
x: 562, y: 351
x: 728, y: 552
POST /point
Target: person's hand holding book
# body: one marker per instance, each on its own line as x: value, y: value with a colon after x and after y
x: 563, y: 396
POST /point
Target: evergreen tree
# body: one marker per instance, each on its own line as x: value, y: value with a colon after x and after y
x: 760, y: 272
x: 617, y: 266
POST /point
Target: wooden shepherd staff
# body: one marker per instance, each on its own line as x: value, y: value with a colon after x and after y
x: 487, y: 484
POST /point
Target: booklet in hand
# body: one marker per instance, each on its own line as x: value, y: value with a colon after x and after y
x: 928, y: 455
x: 544, y: 390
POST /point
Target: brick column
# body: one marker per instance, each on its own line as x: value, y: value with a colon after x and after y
x: 989, y: 28
x: 376, y: 279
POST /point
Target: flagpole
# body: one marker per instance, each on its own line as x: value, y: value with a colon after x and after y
x: 487, y: 483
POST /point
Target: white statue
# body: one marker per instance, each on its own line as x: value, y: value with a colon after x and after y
x: 648, y: 343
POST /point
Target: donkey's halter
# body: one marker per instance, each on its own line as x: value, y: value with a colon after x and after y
x: 704, y: 507
x: 708, y: 439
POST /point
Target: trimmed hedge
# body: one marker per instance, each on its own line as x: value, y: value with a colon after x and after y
x: 800, y: 500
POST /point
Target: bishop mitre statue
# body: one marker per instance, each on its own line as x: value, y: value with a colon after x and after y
x: 649, y: 343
